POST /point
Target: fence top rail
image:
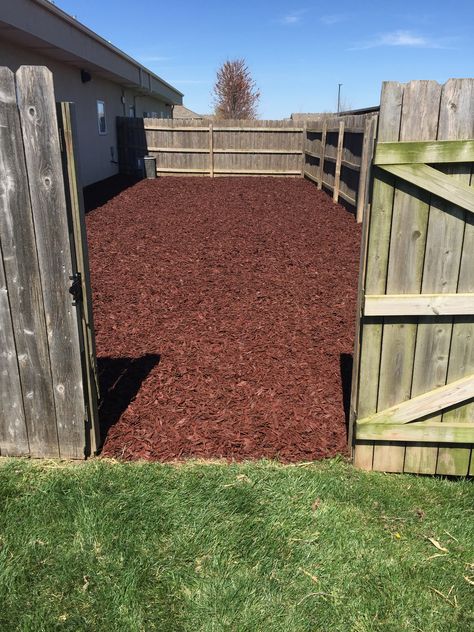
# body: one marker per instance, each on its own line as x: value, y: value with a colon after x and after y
x: 186, y: 128
x: 258, y: 129
x: 347, y: 130
x: 176, y: 128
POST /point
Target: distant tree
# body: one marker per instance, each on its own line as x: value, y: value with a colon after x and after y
x: 235, y: 93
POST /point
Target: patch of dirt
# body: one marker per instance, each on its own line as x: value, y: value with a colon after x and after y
x: 225, y: 316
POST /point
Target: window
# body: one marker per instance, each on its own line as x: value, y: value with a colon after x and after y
x: 131, y: 111
x: 101, y: 121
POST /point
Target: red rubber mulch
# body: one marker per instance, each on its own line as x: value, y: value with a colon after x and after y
x: 224, y: 314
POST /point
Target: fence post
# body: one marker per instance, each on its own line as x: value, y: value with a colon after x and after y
x: 366, y: 159
x: 211, y: 150
x: 337, y: 176
x: 75, y: 204
x: 303, y: 148
x: 321, y: 158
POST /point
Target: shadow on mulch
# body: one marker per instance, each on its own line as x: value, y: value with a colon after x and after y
x: 120, y: 380
x: 346, y: 363
x: 101, y: 192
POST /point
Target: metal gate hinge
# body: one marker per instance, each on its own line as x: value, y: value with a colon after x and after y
x: 76, y: 288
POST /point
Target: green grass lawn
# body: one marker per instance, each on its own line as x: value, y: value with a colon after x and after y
x: 249, y: 547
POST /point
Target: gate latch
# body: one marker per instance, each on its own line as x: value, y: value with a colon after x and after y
x: 76, y: 288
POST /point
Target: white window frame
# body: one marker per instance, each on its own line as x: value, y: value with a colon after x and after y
x: 105, y: 131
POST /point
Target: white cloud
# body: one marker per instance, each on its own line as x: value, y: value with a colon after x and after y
x: 400, y: 38
x: 403, y: 38
x: 336, y: 18
x: 292, y: 18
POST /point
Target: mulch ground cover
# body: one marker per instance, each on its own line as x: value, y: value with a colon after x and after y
x: 225, y: 316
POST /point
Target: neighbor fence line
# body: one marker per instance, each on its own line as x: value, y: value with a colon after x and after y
x: 233, y: 147
x: 333, y: 152
x: 338, y: 153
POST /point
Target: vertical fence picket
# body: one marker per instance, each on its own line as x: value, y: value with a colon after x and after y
x: 419, y: 121
x: 36, y: 103
x: 365, y: 164
x: 322, y: 156
x: 211, y: 150
x: 337, y: 175
x: 376, y: 271
x: 24, y: 287
x: 457, y: 235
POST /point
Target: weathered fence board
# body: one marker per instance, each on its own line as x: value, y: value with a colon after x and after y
x: 43, y: 158
x: 414, y: 250
x: 13, y: 433
x: 24, y: 287
x: 43, y: 411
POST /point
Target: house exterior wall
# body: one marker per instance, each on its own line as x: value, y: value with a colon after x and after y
x: 97, y: 152
x: 42, y: 25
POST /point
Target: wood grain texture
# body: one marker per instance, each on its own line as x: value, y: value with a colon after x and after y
x: 425, y: 404
x: 37, y: 109
x: 436, y: 151
x: 457, y: 122
x: 440, y: 274
x: 376, y: 269
x: 419, y: 432
x: 427, y: 312
x: 24, y: 291
x: 368, y: 148
x: 13, y: 433
x: 419, y: 304
x: 419, y: 121
x: 434, y: 182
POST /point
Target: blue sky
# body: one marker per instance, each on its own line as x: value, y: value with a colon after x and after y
x: 297, y: 52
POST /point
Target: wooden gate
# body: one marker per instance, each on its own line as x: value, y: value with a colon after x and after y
x: 413, y: 385
x: 47, y: 395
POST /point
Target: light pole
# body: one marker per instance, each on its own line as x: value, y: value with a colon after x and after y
x: 339, y: 97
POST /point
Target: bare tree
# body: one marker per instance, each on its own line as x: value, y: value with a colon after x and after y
x: 235, y: 92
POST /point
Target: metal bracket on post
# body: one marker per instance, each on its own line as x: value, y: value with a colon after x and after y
x: 76, y: 288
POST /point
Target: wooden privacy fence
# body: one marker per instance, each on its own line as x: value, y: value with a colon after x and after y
x: 413, y: 384
x: 47, y: 360
x: 335, y: 153
x: 337, y: 156
x: 223, y: 148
